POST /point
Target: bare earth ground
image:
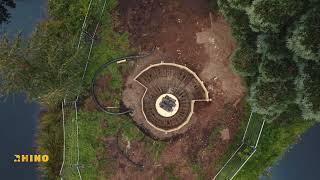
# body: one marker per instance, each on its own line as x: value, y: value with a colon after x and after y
x: 184, y: 33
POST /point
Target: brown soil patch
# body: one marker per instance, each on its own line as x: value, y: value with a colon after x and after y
x: 184, y: 33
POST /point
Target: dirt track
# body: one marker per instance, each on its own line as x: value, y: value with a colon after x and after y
x: 184, y: 33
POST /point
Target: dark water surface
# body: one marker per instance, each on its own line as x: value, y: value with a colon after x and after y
x: 18, y: 118
x: 302, y: 160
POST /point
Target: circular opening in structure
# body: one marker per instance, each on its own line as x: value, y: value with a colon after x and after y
x: 167, y: 105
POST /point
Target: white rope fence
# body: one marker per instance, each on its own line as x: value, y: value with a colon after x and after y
x: 64, y: 139
x: 63, y: 103
x: 77, y: 97
x: 82, y: 78
x: 243, y: 146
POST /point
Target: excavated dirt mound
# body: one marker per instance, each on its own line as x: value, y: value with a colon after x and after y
x: 184, y: 33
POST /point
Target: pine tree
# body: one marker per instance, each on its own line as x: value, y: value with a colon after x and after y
x: 47, y: 68
x: 245, y: 60
x: 273, y: 46
x: 240, y: 4
x: 272, y: 15
x: 278, y: 70
x: 271, y: 98
x: 304, y: 40
x: 239, y: 21
x: 308, y: 86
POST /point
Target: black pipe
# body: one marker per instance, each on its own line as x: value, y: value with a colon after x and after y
x: 104, y: 66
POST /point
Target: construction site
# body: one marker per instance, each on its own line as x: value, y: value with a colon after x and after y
x: 184, y: 93
x: 180, y: 93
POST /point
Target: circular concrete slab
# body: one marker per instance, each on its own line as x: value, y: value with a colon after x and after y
x: 167, y: 105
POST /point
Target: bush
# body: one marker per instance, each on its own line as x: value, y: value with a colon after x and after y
x: 245, y: 61
x: 272, y: 15
x: 278, y: 70
x: 304, y: 39
x: 271, y: 98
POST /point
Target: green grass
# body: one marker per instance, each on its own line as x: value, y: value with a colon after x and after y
x: 94, y: 159
x: 196, y: 168
x: 155, y: 147
x: 213, y: 136
x: 169, y: 173
x: 49, y: 142
x: 275, y: 139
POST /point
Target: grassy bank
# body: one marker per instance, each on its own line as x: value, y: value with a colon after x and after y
x: 108, y: 44
x: 281, y: 85
x: 275, y: 140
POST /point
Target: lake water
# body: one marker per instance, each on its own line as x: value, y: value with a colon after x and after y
x: 301, y: 161
x: 18, y: 118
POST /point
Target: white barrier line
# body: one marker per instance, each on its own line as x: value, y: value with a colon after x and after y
x: 245, y: 133
x: 84, y: 24
x: 227, y: 162
x: 82, y: 78
x: 255, y: 149
x: 78, y: 46
x: 243, y: 164
x: 260, y: 134
x: 92, y: 41
x: 64, y: 139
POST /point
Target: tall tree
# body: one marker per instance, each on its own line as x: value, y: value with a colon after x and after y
x: 239, y: 22
x: 304, y: 40
x: 245, y: 61
x: 240, y: 4
x: 272, y: 70
x: 47, y: 68
x: 308, y: 85
x: 272, y: 15
x: 4, y: 13
x: 271, y: 98
x: 272, y: 45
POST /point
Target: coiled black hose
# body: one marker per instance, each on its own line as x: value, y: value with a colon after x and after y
x: 104, y: 66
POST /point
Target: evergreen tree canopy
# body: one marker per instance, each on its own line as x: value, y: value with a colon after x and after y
x: 272, y: 15
x: 239, y: 21
x: 305, y: 41
x: 46, y: 68
x: 240, y: 4
x: 308, y: 85
x: 272, y: 98
x: 273, y: 46
x: 245, y: 61
x: 278, y: 70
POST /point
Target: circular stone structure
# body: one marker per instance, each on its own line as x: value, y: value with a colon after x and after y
x: 170, y: 93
